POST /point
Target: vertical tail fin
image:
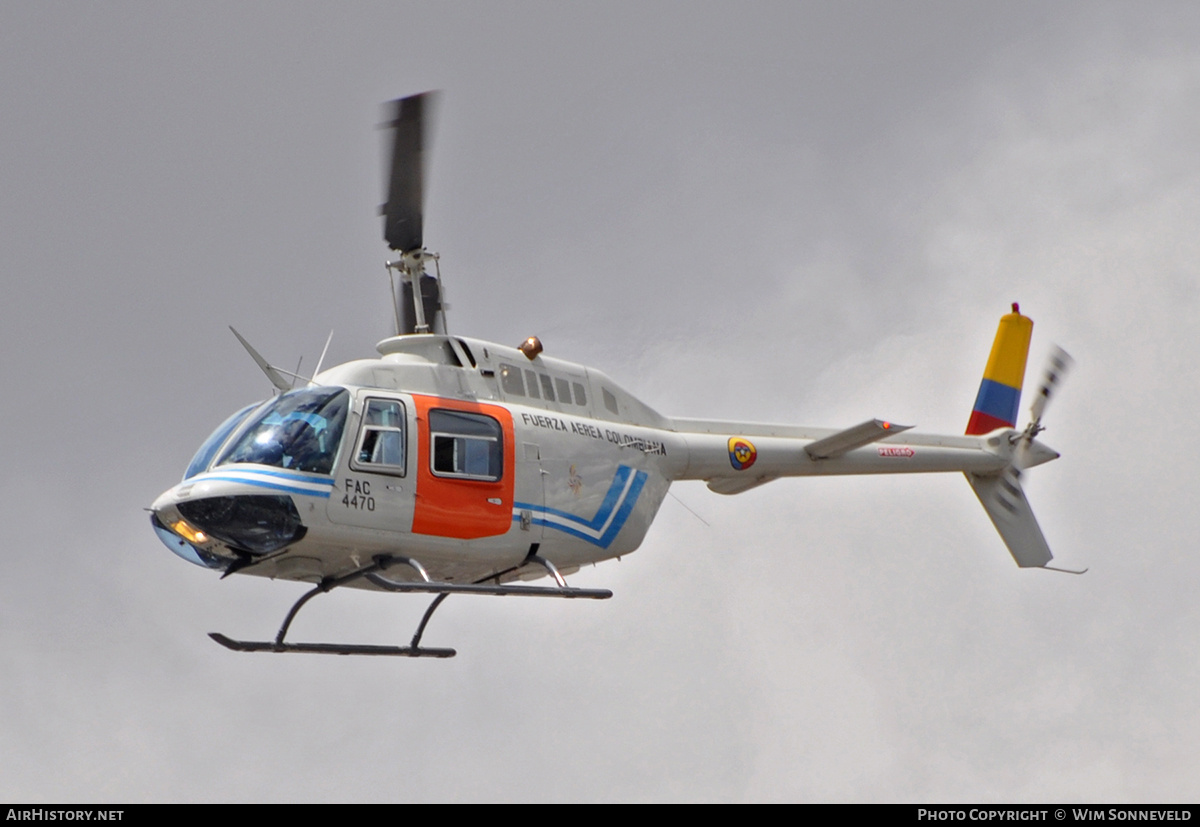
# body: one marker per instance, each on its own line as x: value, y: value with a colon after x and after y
x: 1000, y: 391
x: 1005, y: 503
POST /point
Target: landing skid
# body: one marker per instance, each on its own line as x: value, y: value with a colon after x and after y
x: 329, y: 648
x: 373, y: 573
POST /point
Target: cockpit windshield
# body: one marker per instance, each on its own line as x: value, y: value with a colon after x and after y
x: 208, y: 450
x: 300, y: 431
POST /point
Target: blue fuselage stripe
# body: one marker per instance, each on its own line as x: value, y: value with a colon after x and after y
x: 622, y: 496
x: 606, y: 507
x: 273, y: 480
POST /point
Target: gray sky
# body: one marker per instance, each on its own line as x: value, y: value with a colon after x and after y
x: 796, y: 212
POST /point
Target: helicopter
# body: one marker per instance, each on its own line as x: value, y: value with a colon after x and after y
x: 450, y: 465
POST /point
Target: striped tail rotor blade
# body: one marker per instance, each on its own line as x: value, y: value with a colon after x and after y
x: 1056, y: 370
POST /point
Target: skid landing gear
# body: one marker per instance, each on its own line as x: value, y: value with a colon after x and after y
x: 374, y: 573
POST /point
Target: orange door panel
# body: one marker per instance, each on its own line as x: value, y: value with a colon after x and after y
x: 448, y: 504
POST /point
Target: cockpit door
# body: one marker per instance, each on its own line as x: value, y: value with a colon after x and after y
x: 375, y: 486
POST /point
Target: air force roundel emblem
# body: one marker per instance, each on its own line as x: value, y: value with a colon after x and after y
x: 741, y: 453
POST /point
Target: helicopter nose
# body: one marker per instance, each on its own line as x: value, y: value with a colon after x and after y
x: 213, y: 531
x: 175, y: 536
x: 254, y: 523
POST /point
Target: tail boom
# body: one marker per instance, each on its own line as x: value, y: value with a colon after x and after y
x: 706, y: 446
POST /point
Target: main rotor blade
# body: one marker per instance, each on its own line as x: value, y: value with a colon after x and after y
x: 403, y: 214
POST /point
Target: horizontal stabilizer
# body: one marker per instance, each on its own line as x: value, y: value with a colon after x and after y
x: 845, y: 441
x: 1005, y: 503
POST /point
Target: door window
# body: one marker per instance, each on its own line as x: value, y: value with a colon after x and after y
x: 381, y: 442
x: 466, y: 445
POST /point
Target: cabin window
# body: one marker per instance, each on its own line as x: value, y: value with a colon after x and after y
x: 466, y: 445
x: 547, y: 387
x: 533, y: 384
x: 610, y: 401
x: 564, y: 390
x: 381, y: 443
x: 580, y: 395
x: 511, y: 381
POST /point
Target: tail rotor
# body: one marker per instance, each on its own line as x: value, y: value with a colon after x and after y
x: 1057, y: 367
x: 1029, y: 452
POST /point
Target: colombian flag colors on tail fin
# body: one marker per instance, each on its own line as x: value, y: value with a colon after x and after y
x: 1000, y: 390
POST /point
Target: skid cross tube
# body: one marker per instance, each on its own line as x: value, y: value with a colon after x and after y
x: 373, y: 574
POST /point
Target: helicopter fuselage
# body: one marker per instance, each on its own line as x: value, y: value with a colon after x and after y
x: 466, y: 455
x: 450, y: 451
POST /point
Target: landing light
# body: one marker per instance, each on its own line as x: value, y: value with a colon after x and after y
x: 192, y: 535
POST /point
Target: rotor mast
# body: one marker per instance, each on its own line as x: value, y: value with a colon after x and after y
x: 413, y: 314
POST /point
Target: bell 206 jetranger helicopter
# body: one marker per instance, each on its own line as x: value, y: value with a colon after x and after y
x: 449, y: 465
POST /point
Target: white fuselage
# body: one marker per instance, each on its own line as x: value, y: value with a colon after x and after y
x: 464, y: 455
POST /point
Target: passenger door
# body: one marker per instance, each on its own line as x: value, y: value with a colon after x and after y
x: 464, y: 468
